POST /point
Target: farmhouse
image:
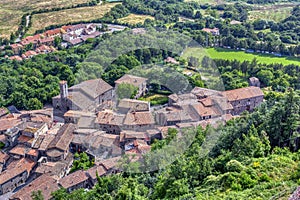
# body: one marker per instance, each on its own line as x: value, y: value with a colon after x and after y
x: 214, y: 31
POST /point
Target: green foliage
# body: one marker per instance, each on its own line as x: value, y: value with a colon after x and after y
x: 2, y: 145
x: 82, y: 161
x: 126, y: 90
x: 37, y: 195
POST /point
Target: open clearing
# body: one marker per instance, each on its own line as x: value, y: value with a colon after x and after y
x: 219, y: 53
x: 135, y: 19
x: 11, y: 11
x: 206, y: 1
x: 275, y: 14
x: 40, y: 21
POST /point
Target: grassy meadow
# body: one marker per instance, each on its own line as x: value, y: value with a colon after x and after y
x: 219, y: 53
x: 274, y: 14
x: 135, y: 19
x: 40, y: 21
x: 11, y: 11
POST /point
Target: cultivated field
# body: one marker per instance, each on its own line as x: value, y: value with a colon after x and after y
x: 135, y: 19
x: 11, y: 11
x: 218, y: 53
x: 40, y: 21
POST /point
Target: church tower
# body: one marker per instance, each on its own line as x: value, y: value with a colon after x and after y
x: 63, y: 89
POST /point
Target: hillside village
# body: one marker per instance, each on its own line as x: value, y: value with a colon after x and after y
x: 39, y: 145
x: 70, y: 35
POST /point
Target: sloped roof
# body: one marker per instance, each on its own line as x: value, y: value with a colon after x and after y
x: 63, y: 137
x: 135, y: 105
x: 73, y: 179
x: 109, y: 118
x: 243, y: 93
x: 16, y: 169
x: 139, y: 118
x: 93, y: 88
x: 45, y: 183
x: 98, y: 168
x: 133, y: 80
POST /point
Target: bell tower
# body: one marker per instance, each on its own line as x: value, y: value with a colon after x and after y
x: 63, y: 89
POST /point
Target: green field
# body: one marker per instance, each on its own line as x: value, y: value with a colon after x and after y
x: 219, y: 53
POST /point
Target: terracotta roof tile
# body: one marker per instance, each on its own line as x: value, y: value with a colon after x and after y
x: 8, y: 123
x: 3, y: 157
x: 139, y: 118
x: 110, y: 163
x: 73, y: 179
x: 110, y: 118
x: 243, y: 93
x: 19, y: 150
x: 45, y: 183
x: 63, y: 137
x: 92, y: 171
x: 19, y: 167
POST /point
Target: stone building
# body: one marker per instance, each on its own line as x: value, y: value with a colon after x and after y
x: 86, y: 96
x: 59, y: 147
x: 45, y: 183
x: 244, y: 99
x: 15, y: 175
x: 100, y: 170
x: 205, y: 104
x: 253, y: 81
x: 110, y: 121
x: 74, y: 181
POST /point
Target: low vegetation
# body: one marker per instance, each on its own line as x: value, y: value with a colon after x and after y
x: 11, y: 11
x: 155, y: 99
x: 135, y: 19
x: 272, y: 14
x: 43, y: 20
x: 228, y: 54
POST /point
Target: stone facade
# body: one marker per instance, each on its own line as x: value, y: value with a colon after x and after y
x: 86, y: 96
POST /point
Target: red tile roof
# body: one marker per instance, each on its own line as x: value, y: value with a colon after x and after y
x: 3, y: 157
x: 8, y: 123
x: 243, y: 93
x: 110, y: 163
x: 63, y: 138
x: 18, y: 58
x: 92, y: 171
x: 73, y: 179
x: 204, y: 111
x: 45, y: 183
x: 14, y: 170
x: 139, y: 118
x: 110, y: 118
x: 18, y: 150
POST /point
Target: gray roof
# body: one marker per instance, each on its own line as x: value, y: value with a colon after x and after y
x: 93, y: 88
